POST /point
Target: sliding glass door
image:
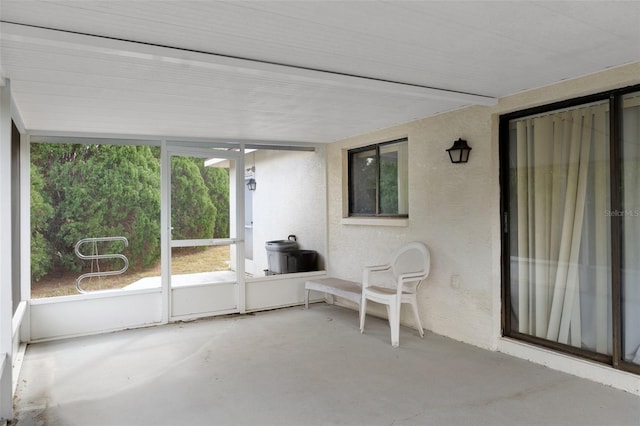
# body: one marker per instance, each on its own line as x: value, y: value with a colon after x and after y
x: 572, y: 226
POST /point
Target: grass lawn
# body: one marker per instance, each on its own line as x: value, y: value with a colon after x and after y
x: 214, y: 258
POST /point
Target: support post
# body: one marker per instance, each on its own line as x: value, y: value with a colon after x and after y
x: 6, y: 301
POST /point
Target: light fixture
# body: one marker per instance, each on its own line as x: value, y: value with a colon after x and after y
x: 251, y: 184
x: 459, y: 152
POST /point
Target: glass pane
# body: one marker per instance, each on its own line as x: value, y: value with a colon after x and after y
x: 560, y: 223
x: 287, y: 201
x: 95, y: 192
x: 363, y: 176
x: 201, y: 265
x: 393, y: 178
x: 195, y: 190
x: 630, y: 214
x: 200, y: 210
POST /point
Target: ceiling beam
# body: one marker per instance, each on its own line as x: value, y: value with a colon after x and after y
x: 216, y: 62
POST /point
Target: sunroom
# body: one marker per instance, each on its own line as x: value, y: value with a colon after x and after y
x: 172, y: 141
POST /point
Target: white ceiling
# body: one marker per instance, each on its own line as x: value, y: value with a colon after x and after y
x: 291, y: 71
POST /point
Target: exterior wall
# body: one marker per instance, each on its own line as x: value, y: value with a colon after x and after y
x: 449, y: 210
x: 289, y: 199
x: 453, y: 208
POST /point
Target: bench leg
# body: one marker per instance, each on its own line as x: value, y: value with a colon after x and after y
x: 363, y: 313
x: 306, y: 299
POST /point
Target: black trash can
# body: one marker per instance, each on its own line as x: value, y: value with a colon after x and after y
x: 306, y: 260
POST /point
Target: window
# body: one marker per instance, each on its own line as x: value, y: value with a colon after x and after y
x: 378, y: 180
x: 570, y: 174
x: 98, y: 194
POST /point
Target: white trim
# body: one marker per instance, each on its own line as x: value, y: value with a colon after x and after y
x: 294, y: 275
x: 25, y: 219
x: 205, y: 242
x: 192, y: 317
x: 97, y: 294
x: 18, y: 359
x: 165, y: 231
x: 94, y: 140
x: 18, y: 317
x: 52, y: 136
x: 6, y: 264
x: 16, y: 116
x: 18, y: 347
x: 239, y: 231
x: 375, y: 221
x: 571, y: 365
x: 202, y: 150
x: 175, y: 149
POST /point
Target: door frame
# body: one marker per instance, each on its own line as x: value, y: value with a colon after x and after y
x: 236, y: 197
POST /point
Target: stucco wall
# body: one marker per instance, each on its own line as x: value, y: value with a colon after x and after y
x: 453, y: 208
x: 289, y: 199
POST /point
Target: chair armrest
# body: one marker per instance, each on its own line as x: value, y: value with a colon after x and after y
x: 369, y: 269
x: 412, y: 276
x: 404, y: 278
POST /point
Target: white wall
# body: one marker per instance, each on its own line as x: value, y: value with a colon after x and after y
x: 453, y: 208
x: 289, y: 199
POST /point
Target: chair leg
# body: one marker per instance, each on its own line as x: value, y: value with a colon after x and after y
x: 416, y: 315
x: 363, y: 313
x: 394, y: 323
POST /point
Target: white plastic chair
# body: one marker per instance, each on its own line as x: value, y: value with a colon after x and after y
x: 408, y: 267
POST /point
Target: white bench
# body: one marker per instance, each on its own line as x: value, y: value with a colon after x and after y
x: 336, y: 287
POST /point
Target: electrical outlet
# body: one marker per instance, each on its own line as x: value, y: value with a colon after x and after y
x: 455, y: 280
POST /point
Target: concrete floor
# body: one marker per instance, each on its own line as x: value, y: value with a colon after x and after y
x: 297, y: 367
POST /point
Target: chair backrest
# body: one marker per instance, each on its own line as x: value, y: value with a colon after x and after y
x: 413, y: 257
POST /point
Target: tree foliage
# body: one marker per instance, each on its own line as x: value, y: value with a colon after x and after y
x: 216, y: 180
x: 102, y: 191
x: 389, y: 186
x: 41, y: 212
x: 193, y: 214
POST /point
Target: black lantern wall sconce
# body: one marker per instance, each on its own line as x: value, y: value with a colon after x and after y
x: 459, y: 152
x: 251, y: 184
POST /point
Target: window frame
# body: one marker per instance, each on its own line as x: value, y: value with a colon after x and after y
x: 615, y: 98
x: 351, y: 189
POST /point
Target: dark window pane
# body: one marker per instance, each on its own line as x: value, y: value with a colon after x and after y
x: 378, y: 180
x: 363, y: 182
x: 389, y: 183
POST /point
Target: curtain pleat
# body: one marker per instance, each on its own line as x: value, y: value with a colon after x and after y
x: 523, y: 257
x: 543, y: 157
x: 566, y: 275
x: 571, y: 300
x: 601, y: 183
